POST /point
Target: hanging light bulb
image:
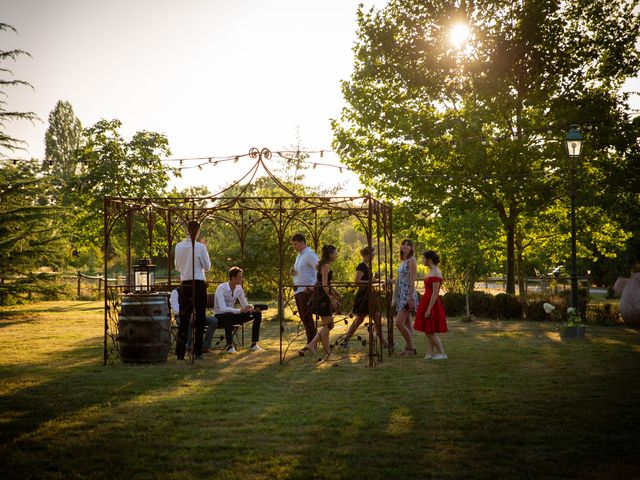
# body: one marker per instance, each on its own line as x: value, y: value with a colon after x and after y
x: 315, y: 165
x: 181, y: 162
x: 235, y: 160
x: 454, y: 145
x: 209, y: 159
x: 321, y: 153
x: 483, y: 140
x: 199, y: 167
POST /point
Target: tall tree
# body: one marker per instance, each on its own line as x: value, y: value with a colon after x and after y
x: 113, y: 166
x: 8, y: 143
x: 62, y: 141
x: 430, y: 120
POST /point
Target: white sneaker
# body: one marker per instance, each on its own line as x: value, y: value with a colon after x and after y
x: 232, y: 350
x: 256, y: 348
x: 439, y: 356
x: 428, y: 356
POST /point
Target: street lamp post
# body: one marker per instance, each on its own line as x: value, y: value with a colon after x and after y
x: 573, y: 144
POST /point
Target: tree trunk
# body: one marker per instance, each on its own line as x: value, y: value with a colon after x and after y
x: 466, y: 291
x: 511, y: 279
x: 522, y: 279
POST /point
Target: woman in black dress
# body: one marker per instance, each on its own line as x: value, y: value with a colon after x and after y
x: 361, y: 300
x: 324, y: 300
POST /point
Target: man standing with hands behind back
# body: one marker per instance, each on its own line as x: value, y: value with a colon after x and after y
x: 192, y: 260
x: 304, y: 274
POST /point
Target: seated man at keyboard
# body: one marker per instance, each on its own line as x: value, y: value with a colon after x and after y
x: 228, y: 315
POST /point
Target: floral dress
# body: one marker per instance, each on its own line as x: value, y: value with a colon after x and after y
x: 404, y: 280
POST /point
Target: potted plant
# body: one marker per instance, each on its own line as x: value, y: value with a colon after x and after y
x: 573, y: 329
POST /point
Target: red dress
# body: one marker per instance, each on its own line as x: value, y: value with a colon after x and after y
x: 437, y: 322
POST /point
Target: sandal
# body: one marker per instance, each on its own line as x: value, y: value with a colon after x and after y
x: 306, y: 348
x: 407, y: 352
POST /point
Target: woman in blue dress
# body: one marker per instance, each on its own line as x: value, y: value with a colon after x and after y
x: 407, y: 298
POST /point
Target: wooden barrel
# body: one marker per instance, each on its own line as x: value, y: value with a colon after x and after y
x: 144, y: 327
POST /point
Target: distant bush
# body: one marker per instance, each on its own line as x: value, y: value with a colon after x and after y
x: 454, y: 304
x: 603, y: 314
x: 482, y: 304
x: 508, y: 307
x: 534, y: 311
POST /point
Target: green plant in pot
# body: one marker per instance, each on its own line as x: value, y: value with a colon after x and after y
x: 574, y: 329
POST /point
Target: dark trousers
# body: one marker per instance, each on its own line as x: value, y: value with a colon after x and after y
x: 187, y: 301
x: 302, y: 302
x: 228, y: 320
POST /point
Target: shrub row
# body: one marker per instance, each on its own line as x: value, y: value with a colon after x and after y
x: 482, y: 304
x: 504, y: 306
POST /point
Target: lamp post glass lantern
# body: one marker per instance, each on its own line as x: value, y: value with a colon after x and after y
x: 573, y: 144
x: 143, y: 275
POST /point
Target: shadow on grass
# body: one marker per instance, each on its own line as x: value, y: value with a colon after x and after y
x: 518, y: 405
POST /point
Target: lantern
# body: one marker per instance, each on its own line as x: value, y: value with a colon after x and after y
x: 143, y: 275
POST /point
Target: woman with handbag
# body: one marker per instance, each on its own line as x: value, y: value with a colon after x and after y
x: 324, y: 301
x: 362, y: 299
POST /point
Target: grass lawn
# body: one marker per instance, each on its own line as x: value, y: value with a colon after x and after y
x: 512, y: 401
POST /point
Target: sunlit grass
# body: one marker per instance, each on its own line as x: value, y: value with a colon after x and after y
x: 513, y: 401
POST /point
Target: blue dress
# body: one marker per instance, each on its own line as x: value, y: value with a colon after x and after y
x: 403, y: 287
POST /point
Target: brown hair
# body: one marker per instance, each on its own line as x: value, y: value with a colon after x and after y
x: 327, y: 251
x: 432, y: 255
x: 410, y: 243
x: 193, y: 227
x: 298, y: 237
x: 368, y: 250
x: 234, y: 272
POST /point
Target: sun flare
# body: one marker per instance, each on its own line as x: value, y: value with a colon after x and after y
x: 459, y: 35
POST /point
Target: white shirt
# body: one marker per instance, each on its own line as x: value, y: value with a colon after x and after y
x: 305, y: 268
x: 225, y: 299
x: 174, y: 300
x: 183, y: 260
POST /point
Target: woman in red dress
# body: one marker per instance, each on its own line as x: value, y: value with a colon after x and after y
x: 430, y: 317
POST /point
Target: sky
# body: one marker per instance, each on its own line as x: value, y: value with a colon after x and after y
x: 216, y: 76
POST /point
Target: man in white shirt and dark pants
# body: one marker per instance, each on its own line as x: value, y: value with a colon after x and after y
x: 192, y: 263
x: 304, y: 273
x: 224, y: 307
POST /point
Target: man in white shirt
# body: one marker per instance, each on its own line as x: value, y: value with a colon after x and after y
x: 210, y: 321
x: 228, y: 315
x: 304, y: 273
x: 192, y: 261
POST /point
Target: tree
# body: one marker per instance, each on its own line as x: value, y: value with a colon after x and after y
x: 31, y: 231
x: 427, y: 122
x: 7, y: 142
x: 113, y: 166
x: 62, y: 141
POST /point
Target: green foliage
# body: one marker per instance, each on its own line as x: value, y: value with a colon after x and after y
x: 507, y: 307
x: 465, y: 240
x: 7, y: 142
x: 454, y: 304
x: 603, y: 314
x: 62, y: 139
x: 534, y: 311
x: 113, y: 166
x: 528, y: 65
x: 31, y: 232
